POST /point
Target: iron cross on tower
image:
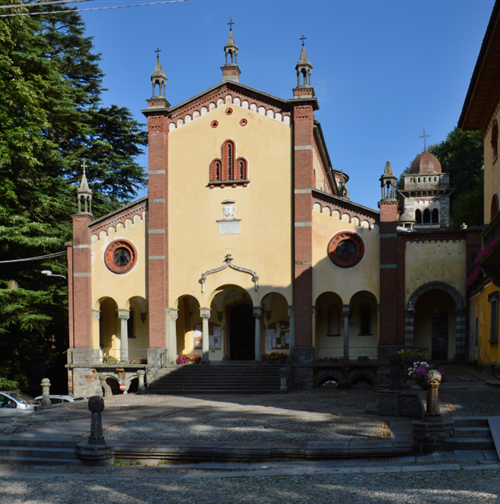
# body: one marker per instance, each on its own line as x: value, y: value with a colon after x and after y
x: 302, y: 38
x: 158, y: 51
x: 425, y: 137
x: 230, y: 24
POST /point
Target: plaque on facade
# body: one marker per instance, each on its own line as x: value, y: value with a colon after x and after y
x: 229, y: 227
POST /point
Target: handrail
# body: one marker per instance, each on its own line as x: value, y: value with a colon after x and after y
x: 155, y: 368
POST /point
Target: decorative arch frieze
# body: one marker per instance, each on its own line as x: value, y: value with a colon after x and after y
x: 135, y: 214
x: 228, y: 260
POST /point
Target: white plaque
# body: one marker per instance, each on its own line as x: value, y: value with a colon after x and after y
x: 229, y: 227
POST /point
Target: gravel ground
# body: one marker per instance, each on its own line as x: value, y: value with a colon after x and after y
x: 355, y: 485
x: 472, y: 403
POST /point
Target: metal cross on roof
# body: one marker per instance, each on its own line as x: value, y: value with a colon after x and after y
x: 158, y: 51
x: 302, y: 38
x: 425, y: 137
x: 84, y: 166
x: 230, y: 24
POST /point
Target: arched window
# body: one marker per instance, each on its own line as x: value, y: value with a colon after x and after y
x: 427, y: 216
x: 228, y: 149
x: 435, y: 216
x: 418, y: 216
x: 494, y: 206
x: 241, y: 169
x: 215, y: 170
x: 365, y: 320
x: 494, y: 138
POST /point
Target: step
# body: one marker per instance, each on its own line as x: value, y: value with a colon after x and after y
x: 38, y: 443
x: 39, y: 460
x: 30, y: 451
x: 472, y: 432
x: 469, y: 444
x: 471, y: 422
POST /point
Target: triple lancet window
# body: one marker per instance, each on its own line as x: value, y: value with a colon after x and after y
x: 229, y: 170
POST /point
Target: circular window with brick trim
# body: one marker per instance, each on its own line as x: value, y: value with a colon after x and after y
x: 120, y: 256
x: 243, y: 122
x: 229, y: 111
x: 346, y: 249
x: 214, y: 124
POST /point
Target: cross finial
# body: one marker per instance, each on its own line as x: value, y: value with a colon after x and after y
x: 229, y: 250
x: 230, y: 24
x: 158, y: 51
x: 424, y: 136
x: 302, y: 38
x: 84, y: 166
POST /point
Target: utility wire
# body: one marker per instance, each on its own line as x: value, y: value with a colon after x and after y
x: 26, y: 5
x: 38, y: 258
x: 92, y: 9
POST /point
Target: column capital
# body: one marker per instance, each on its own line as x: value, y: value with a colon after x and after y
x: 173, y: 313
x: 291, y: 310
x: 314, y: 310
x: 123, y: 314
x: 205, y: 313
x: 96, y: 314
x: 346, y: 309
x: 257, y: 312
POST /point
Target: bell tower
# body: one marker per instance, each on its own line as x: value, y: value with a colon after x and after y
x: 303, y: 68
x: 231, y: 71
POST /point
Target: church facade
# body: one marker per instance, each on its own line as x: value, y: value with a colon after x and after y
x: 248, y: 243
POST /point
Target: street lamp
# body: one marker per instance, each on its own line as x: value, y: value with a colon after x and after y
x: 49, y: 273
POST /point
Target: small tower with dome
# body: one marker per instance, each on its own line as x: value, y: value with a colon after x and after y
x: 425, y: 197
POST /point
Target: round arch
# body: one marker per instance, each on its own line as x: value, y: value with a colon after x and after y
x: 437, y: 285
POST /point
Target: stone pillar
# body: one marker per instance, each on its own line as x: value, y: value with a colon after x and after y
x: 172, y: 315
x: 123, y: 315
x: 409, y: 319
x: 46, y: 392
x: 346, y: 310
x: 95, y: 452
x: 141, y: 389
x: 314, y: 342
x: 205, y: 315
x: 257, y: 313
x: 291, y: 320
x: 432, y: 380
x: 461, y: 332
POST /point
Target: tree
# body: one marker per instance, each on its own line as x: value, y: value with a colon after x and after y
x: 51, y: 119
x: 461, y: 155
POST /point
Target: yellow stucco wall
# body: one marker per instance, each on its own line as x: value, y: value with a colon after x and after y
x: 128, y: 291
x: 485, y: 352
x: 264, y: 207
x: 491, y: 174
x: 346, y: 283
x: 429, y: 261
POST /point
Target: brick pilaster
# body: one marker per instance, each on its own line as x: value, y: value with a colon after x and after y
x: 158, y: 221
x: 390, y: 271
x: 303, y: 119
x: 80, y: 284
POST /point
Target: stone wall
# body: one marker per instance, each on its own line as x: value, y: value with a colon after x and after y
x: 399, y: 403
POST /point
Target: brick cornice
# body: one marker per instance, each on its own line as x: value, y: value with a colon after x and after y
x: 119, y: 217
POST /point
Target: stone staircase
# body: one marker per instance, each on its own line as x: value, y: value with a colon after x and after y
x: 471, y: 433
x: 218, y: 378
x: 32, y: 451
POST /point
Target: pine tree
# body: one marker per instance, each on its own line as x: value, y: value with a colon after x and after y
x: 51, y: 119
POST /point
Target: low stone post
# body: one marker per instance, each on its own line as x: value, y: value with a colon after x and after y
x: 46, y: 392
x: 395, y: 373
x: 141, y: 389
x: 432, y: 380
x: 95, y: 452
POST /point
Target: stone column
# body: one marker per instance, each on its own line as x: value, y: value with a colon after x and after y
x: 141, y: 389
x: 409, y: 318
x: 257, y: 313
x: 346, y: 310
x: 291, y: 321
x: 205, y: 315
x: 314, y: 311
x: 171, y: 325
x: 123, y: 315
x: 432, y: 380
x: 461, y: 331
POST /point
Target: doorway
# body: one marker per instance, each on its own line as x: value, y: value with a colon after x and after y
x: 242, y: 333
x: 440, y: 335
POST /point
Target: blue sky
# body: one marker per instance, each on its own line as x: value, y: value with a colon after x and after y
x: 383, y: 70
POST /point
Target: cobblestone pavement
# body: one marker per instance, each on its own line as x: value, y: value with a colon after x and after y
x: 340, y: 482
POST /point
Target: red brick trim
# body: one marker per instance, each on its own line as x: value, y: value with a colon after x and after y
x: 345, y: 207
x: 120, y: 218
